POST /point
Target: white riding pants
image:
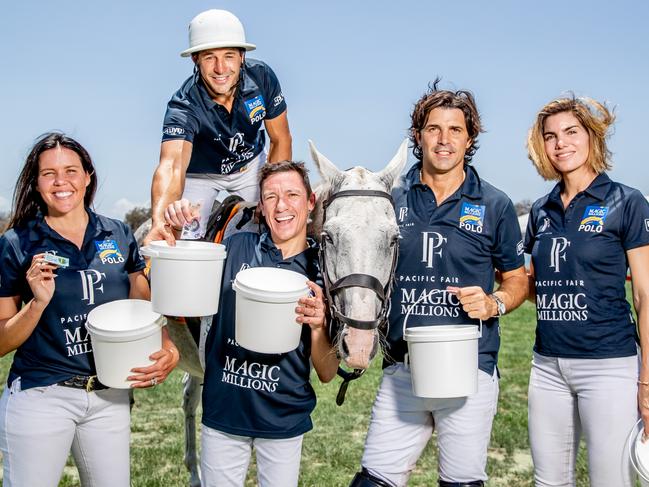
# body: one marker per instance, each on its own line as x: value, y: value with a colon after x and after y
x: 225, y: 459
x: 39, y: 426
x: 204, y: 189
x: 569, y: 396
x: 401, y: 425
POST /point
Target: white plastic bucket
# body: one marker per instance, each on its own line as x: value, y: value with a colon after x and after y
x: 124, y: 334
x: 443, y: 359
x: 185, y: 279
x: 265, y: 309
x: 639, y: 453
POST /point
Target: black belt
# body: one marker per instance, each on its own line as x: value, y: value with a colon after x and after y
x: 90, y: 383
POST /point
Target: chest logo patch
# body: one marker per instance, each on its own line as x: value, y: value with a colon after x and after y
x: 472, y: 217
x: 109, y: 252
x: 255, y: 108
x: 593, y: 219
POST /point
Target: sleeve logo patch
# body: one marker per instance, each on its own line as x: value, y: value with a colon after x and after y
x: 593, y: 219
x: 255, y: 108
x: 109, y: 252
x: 173, y: 131
x: 472, y: 217
x: 646, y: 224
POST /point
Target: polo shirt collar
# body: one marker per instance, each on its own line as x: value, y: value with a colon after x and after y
x: 266, y: 244
x: 598, y: 188
x: 38, y: 227
x: 471, y: 186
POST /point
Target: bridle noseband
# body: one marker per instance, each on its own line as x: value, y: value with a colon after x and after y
x: 356, y: 280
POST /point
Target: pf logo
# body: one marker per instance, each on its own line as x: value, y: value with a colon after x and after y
x: 558, y: 252
x: 431, y: 245
x: 403, y: 213
x: 90, y: 280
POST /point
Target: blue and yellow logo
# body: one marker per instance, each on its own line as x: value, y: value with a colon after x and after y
x: 593, y: 219
x: 109, y: 252
x: 255, y: 108
x: 472, y: 217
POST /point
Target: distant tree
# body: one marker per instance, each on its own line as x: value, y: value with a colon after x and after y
x: 137, y: 216
x: 523, y: 207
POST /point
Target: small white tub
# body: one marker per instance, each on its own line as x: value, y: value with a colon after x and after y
x: 124, y: 334
x: 265, y: 309
x: 443, y: 360
x: 185, y: 279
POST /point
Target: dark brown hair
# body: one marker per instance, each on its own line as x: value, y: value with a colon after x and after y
x: 27, y: 201
x: 436, y: 98
x: 271, y: 168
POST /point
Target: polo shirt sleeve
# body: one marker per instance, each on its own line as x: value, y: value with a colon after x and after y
x: 134, y: 261
x: 635, y: 221
x: 11, y: 273
x: 273, y: 93
x: 180, y: 122
x: 530, y: 233
x: 508, y: 248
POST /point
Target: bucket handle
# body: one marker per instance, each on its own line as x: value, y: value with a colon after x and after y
x: 411, y: 307
x: 630, y: 440
x: 147, y: 251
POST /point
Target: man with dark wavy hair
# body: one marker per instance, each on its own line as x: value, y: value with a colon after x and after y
x: 456, y: 231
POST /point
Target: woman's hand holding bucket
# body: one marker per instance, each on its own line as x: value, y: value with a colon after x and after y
x: 165, y: 359
x: 311, y: 309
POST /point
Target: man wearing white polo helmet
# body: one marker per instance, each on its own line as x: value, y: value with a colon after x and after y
x: 213, y: 139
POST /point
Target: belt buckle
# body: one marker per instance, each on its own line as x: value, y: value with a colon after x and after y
x: 90, y: 385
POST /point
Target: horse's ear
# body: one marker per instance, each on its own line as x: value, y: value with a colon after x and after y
x: 328, y: 171
x: 393, y: 170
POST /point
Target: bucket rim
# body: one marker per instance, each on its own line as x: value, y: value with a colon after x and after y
x: 189, y: 250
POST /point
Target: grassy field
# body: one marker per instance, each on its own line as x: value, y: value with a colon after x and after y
x: 332, y: 451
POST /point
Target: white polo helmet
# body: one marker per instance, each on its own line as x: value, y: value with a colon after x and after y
x: 213, y: 29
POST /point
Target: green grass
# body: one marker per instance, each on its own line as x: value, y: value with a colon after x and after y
x: 332, y: 450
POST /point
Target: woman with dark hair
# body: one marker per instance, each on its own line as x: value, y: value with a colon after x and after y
x: 583, y: 236
x: 53, y: 401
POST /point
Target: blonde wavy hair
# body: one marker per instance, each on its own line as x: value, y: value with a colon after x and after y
x: 596, y: 119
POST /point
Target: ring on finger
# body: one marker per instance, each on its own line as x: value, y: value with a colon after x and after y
x: 154, y: 381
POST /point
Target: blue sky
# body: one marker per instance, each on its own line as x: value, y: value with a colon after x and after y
x: 350, y: 70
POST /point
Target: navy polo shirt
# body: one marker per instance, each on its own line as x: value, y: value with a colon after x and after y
x: 224, y: 142
x: 255, y: 394
x: 59, y: 347
x: 580, y: 266
x: 458, y: 243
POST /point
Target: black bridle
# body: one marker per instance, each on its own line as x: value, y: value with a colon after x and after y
x: 354, y: 280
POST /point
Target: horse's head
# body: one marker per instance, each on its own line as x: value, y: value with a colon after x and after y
x: 359, y: 247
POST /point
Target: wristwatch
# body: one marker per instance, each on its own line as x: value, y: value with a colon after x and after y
x: 500, y: 305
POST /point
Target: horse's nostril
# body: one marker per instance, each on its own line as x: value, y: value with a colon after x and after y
x: 343, y: 348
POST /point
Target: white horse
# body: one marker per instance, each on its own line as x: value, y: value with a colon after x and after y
x: 355, y: 218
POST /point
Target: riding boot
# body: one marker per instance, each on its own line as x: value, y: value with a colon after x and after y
x: 473, y: 483
x: 365, y: 479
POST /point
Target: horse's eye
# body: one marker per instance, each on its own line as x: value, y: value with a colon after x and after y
x: 325, y: 236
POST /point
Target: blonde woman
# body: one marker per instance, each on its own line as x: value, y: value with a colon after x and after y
x: 583, y: 236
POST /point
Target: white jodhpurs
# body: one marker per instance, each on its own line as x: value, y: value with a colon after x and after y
x: 204, y: 189
x: 568, y: 397
x: 401, y: 425
x: 39, y: 426
x: 225, y: 459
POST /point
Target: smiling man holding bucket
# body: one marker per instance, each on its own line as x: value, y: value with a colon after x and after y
x: 254, y: 399
x: 455, y: 230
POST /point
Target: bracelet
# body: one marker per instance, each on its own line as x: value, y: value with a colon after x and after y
x: 643, y: 383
